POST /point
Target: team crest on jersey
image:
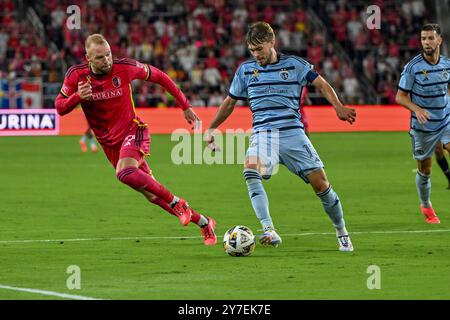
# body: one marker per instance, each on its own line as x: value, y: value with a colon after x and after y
x: 445, y: 74
x: 284, y: 74
x: 425, y: 74
x: 116, y: 82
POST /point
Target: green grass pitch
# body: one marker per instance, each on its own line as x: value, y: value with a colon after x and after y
x: 129, y: 249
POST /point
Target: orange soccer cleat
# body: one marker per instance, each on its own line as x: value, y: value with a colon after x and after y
x: 94, y: 147
x: 83, y: 146
x: 430, y: 215
x: 209, y: 237
x: 183, y: 212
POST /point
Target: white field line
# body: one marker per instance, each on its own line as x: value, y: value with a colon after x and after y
x: 47, y: 293
x: 197, y: 237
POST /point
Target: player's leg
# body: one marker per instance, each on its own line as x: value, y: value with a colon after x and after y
x: 301, y: 158
x: 424, y: 145
x: 132, y: 152
x: 254, y: 170
x: 442, y: 161
x: 132, y: 170
x: 423, y: 185
x: 83, y: 139
x: 332, y: 206
x: 196, y: 217
x: 92, y: 143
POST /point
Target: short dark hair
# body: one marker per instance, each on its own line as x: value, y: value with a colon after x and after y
x: 260, y: 32
x: 432, y: 27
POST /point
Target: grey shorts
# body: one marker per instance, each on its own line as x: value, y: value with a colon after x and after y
x: 291, y: 148
x: 424, y: 143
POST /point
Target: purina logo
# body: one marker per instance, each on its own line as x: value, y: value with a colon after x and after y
x: 28, y: 122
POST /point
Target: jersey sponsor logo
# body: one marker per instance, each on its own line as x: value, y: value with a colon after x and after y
x: 284, y: 74
x: 272, y: 90
x: 425, y: 74
x: 110, y: 94
x: 116, y: 82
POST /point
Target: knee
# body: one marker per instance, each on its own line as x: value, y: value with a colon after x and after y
x: 150, y: 196
x: 321, y: 186
x: 439, y: 152
x: 256, y: 165
x: 252, y: 165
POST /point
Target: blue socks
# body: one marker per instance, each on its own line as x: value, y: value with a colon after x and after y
x: 258, y: 197
x: 423, y: 184
x: 333, y: 208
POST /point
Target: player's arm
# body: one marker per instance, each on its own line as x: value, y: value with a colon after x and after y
x: 225, y: 110
x: 161, y: 78
x: 65, y: 104
x: 343, y: 113
x: 403, y: 98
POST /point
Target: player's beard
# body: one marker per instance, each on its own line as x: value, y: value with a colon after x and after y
x: 105, y: 69
x: 430, y: 52
x: 265, y: 62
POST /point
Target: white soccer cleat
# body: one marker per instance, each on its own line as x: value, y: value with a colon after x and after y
x: 270, y: 238
x: 345, y: 244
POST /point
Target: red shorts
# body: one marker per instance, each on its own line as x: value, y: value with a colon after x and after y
x: 136, y: 145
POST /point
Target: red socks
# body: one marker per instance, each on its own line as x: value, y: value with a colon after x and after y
x: 138, y: 180
x: 160, y: 202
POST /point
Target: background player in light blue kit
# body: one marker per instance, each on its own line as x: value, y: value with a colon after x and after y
x: 273, y: 84
x: 423, y: 89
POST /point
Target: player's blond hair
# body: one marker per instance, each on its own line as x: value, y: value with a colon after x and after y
x: 95, y: 38
x: 260, y: 32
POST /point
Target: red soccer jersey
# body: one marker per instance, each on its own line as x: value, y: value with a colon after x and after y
x: 110, y: 112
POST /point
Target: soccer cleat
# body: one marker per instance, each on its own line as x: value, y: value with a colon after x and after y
x: 83, y: 146
x: 183, y: 212
x: 270, y: 237
x: 94, y: 147
x: 430, y: 215
x: 209, y: 237
x: 345, y: 244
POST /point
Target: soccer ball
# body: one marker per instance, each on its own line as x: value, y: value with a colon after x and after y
x: 239, y: 241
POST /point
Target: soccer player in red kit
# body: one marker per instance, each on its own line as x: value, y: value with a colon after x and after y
x: 103, y: 88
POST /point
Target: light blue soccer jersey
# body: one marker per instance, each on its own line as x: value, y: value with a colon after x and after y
x: 273, y: 91
x: 428, y: 87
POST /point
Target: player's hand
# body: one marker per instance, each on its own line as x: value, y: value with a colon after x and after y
x: 346, y: 114
x: 209, y: 138
x: 193, y: 119
x: 85, y: 90
x: 422, y: 115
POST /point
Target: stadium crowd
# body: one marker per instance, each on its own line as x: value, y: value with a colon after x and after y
x: 201, y: 43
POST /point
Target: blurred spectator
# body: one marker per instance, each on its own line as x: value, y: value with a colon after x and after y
x: 201, y: 43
